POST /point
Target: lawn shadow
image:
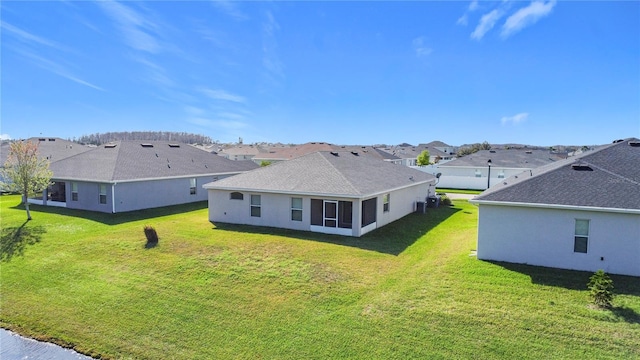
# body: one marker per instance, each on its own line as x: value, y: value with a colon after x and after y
x: 391, y: 239
x: 13, y: 240
x: 571, y: 279
x: 118, y: 218
x: 627, y: 314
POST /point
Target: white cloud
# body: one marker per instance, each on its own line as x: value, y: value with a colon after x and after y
x: 515, y: 119
x: 29, y: 37
x: 270, y: 59
x: 487, y: 22
x: 527, y: 16
x: 222, y: 95
x: 5, y: 137
x: 464, y: 19
x: 134, y: 27
x: 57, y: 69
x: 230, y: 8
x: 420, y: 48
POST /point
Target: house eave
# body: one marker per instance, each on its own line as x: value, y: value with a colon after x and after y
x: 555, y: 206
x: 104, y: 181
x: 316, y: 194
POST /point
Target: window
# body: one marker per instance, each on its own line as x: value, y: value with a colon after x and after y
x: 74, y: 191
x: 296, y: 209
x: 255, y: 205
x: 385, y: 202
x: 581, y: 239
x: 501, y: 175
x: 103, y: 194
x: 192, y: 186
x: 236, y: 196
x: 478, y: 173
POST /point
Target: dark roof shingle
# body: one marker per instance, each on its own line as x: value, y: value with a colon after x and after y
x: 608, y: 177
x: 324, y: 172
x: 130, y: 160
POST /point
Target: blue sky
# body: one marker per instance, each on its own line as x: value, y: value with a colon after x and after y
x: 534, y: 72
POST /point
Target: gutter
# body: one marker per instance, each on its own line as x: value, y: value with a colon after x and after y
x: 316, y: 194
x: 145, y: 179
x: 555, y: 206
x: 113, y: 198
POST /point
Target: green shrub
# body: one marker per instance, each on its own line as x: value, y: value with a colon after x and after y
x: 601, y: 289
x: 445, y: 201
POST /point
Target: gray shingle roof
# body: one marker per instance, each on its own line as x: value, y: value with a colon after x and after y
x: 129, y: 160
x: 51, y: 148
x: 324, y: 172
x: 527, y: 159
x: 608, y: 177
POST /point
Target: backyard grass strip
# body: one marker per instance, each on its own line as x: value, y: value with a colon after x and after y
x: 407, y: 290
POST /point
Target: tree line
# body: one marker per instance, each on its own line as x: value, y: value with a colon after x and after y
x: 182, y: 137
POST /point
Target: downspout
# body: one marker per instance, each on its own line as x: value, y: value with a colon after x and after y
x: 113, y: 198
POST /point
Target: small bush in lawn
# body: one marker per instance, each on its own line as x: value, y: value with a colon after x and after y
x: 601, y: 289
x: 445, y: 201
x: 151, y: 234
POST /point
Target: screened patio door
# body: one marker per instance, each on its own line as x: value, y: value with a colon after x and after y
x: 330, y: 213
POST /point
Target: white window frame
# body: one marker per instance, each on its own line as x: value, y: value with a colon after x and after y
x: 386, y: 198
x: 74, y: 191
x: 296, y: 210
x: 193, y: 186
x: 235, y: 193
x: 478, y: 173
x: 103, y: 194
x: 256, y: 205
x: 583, y: 235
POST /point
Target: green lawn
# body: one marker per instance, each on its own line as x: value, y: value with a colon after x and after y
x: 409, y: 290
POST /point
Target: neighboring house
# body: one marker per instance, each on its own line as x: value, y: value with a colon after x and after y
x: 133, y: 175
x: 472, y: 171
x: 242, y: 152
x: 278, y: 154
x: 50, y: 148
x: 582, y: 213
x: 330, y: 192
x: 439, y: 152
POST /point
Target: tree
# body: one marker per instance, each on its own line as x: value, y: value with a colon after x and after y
x: 24, y: 172
x: 423, y: 158
x: 264, y: 163
x: 601, y: 289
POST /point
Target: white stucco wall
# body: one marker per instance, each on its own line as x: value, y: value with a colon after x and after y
x: 459, y: 177
x: 545, y: 237
x: 402, y: 202
x: 276, y: 209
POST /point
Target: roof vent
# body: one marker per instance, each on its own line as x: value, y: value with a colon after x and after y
x: 355, y: 153
x: 617, y: 141
x: 581, y: 167
x: 492, y: 151
x: 174, y: 145
x: 334, y: 153
x: 52, y: 139
x: 109, y: 146
x: 528, y: 152
x: 146, y: 145
x: 634, y: 143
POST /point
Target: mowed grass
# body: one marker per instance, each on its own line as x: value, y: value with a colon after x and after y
x: 409, y: 290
